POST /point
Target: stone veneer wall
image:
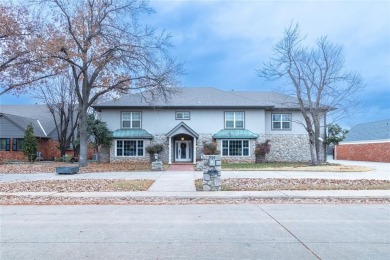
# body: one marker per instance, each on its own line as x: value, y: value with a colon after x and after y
x: 284, y: 148
x: 288, y: 148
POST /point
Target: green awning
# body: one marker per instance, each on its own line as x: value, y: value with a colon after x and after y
x: 235, y: 134
x: 131, y: 134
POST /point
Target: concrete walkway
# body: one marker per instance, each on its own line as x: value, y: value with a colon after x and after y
x: 174, y: 181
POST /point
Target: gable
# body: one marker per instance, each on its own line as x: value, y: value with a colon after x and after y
x: 9, y: 130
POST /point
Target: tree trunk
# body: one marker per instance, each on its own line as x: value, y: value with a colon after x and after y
x: 83, y: 136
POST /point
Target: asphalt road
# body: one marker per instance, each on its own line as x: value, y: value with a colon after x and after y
x: 226, y: 231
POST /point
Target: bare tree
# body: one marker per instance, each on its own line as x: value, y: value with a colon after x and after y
x: 106, y: 49
x: 59, y: 96
x: 317, y: 77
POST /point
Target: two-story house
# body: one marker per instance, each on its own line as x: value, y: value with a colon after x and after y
x: 236, y: 120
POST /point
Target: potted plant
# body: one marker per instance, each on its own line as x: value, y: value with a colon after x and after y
x: 154, y: 150
x: 261, y: 150
x: 210, y: 148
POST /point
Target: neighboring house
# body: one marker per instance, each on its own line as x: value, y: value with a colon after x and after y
x: 14, y: 119
x: 236, y: 120
x: 366, y: 142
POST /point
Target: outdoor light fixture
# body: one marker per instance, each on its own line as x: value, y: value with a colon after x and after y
x: 182, y: 138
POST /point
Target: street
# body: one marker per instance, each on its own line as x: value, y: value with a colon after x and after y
x: 227, y: 231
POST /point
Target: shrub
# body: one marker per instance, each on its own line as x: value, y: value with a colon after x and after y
x: 30, y: 144
x: 261, y: 150
x: 155, y: 148
x: 210, y: 148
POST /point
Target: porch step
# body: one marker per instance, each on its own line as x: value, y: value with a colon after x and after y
x: 181, y: 167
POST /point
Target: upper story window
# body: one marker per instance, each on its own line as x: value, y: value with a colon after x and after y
x: 131, y: 119
x: 234, y: 119
x: 17, y: 144
x: 182, y: 115
x: 281, y: 121
x: 4, y: 144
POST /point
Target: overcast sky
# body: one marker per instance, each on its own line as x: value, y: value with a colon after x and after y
x: 222, y: 43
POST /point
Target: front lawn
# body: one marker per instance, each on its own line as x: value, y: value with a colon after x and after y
x: 77, y: 185
x: 252, y: 184
x: 285, y: 166
x: 48, y: 167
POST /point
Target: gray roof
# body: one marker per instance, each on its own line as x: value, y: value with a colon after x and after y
x: 204, y: 97
x: 378, y: 130
x: 23, y: 122
x: 32, y: 112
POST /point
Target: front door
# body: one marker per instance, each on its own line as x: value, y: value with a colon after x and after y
x: 183, y: 151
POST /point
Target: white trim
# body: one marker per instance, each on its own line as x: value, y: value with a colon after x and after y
x: 242, y: 148
x: 170, y: 150
x: 366, y: 142
x: 43, y: 130
x: 123, y: 148
x: 194, y: 152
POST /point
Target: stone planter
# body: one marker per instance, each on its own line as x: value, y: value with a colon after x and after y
x: 157, y: 166
x: 67, y: 169
x: 211, y: 172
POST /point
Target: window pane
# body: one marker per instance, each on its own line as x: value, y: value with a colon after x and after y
x: 276, y: 117
x: 179, y: 115
x: 140, y: 148
x: 245, y: 143
x: 286, y: 125
x: 239, y: 115
x: 239, y: 124
x: 286, y: 117
x: 276, y: 125
x: 126, y: 116
x: 186, y: 115
x: 229, y: 116
x: 3, y: 144
x: 229, y: 124
x: 18, y: 145
x: 136, y: 124
x: 235, y: 148
x: 126, y: 124
x: 137, y: 116
x: 119, y: 145
x: 245, y: 151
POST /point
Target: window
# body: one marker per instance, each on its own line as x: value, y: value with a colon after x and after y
x: 235, y: 147
x: 4, y: 144
x: 281, y: 121
x: 17, y: 144
x: 183, y: 115
x: 234, y: 119
x: 131, y: 119
x: 129, y: 148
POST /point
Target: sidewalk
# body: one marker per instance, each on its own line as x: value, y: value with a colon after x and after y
x: 180, y: 184
x: 286, y: 194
